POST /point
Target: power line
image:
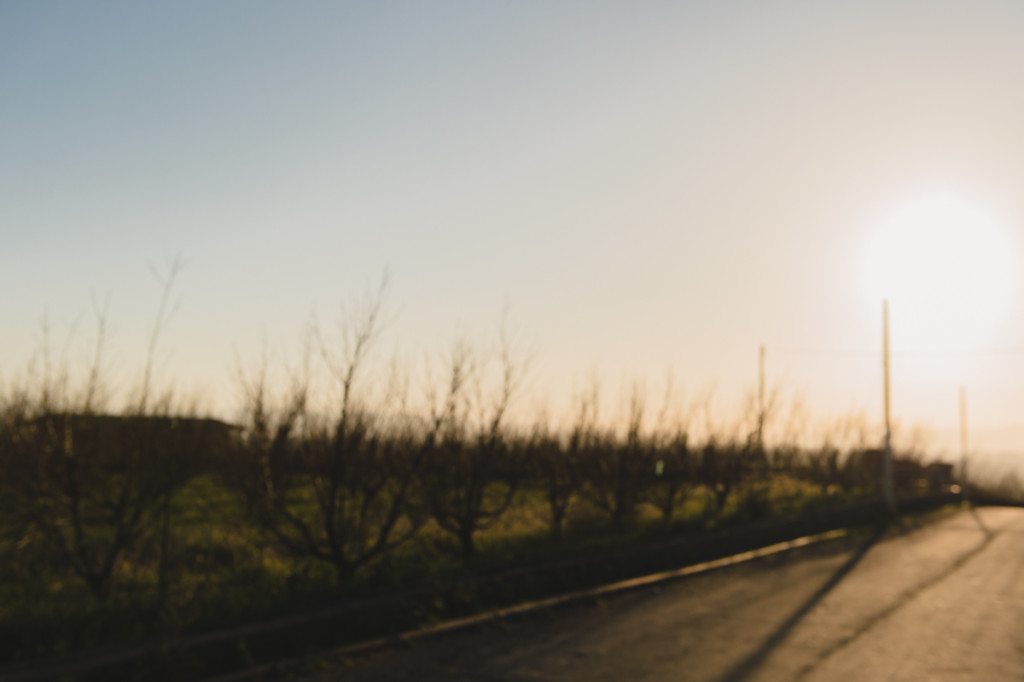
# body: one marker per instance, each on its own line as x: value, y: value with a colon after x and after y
x: 850, y: 352
x: 1013, y: 350
x: 822, y: 351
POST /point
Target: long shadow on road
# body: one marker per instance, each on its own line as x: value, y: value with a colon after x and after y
x: 749, y: 664
x: 981, y: 524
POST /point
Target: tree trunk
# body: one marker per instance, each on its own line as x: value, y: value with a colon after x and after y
x: 163, y: 569
x: 466, y: 543
x: 344, y: 571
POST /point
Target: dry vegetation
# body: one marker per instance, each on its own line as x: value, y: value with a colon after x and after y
x: 146, y: 519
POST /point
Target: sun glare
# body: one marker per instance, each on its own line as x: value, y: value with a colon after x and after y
x: 945, y: 268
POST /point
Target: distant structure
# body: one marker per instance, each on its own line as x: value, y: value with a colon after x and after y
x: 909, y: 474
x: 201, y: 438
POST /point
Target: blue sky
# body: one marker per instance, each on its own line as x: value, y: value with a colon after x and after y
x: 643, y: 185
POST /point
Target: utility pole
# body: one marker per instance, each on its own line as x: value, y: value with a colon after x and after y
x: 963, y: 443
x: 760, y: 399
x: 890, y: 501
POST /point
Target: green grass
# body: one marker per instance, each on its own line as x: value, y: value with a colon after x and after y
x: 225, y: 572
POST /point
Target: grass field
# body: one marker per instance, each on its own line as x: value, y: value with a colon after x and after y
x: 226, y: 572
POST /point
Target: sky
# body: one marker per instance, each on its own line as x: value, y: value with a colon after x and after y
x: 639, y: 189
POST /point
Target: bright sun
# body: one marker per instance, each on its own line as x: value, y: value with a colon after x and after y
x: 946, y: 269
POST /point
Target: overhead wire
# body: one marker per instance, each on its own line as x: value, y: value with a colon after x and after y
x: 850, y: 352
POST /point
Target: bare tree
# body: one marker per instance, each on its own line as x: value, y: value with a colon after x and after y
x: 334, y: 488
x: 557, y: 465
x: 723, y: 467
x: 91, y: 486
x: 618, y: 472
x: 473, y: 469
x: 821, y: 466
x: 675, y: 465
x: 675, y: 474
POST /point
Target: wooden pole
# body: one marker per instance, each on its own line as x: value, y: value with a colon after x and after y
x: 760, y: 399
x: 887, y: 488
x: 963, y: 442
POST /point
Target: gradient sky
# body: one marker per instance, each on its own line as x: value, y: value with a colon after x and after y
x: 643, y: 185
